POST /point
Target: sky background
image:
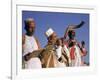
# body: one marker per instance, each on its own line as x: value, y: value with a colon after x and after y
x: 58, y: 21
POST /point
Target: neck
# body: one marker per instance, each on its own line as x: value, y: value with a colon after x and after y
x: 52, y: 43
x: 29, y: 34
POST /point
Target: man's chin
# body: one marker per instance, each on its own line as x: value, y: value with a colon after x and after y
x: 31, y: 33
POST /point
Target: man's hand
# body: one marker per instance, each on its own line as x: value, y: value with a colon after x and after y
x: 27, y: 56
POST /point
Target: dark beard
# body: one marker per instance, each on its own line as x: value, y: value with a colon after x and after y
x: 30, y: 33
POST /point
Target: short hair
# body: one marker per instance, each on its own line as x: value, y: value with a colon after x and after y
x: 27, y: 21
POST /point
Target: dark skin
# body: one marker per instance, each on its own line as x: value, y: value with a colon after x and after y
x: 52, y: 39
x: 83, y: 44
x: 64, y: 57
x: 71, y: 35
x: 59, y: 42
x: 30, y: 28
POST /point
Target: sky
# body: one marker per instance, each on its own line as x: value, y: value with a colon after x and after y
x: 58, y: 21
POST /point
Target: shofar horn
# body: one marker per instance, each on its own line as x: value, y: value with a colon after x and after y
x: 79, y: 25
x: 73, y: 27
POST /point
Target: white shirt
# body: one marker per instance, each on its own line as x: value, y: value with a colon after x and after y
x: 78, y: 56
x: 59, y: 51
x: 29, y: 46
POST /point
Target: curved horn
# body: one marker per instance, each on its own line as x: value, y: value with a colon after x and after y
x: 79, y: 25
x: 73, y: 27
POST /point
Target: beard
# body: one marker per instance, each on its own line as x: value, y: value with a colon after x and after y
x: 30, y: 32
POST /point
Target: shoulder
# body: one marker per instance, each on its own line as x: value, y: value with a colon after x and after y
x: 23, y: 38
x: 48, y: 50
x: 49, y: 47
x: 36, y: 38
x: 38, y: 43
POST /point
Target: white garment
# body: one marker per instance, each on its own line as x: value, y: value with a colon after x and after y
x: 77, y: 57
x: 29, y: 46
x: 34, y: 63
x: 67, y: 52
x: 59, y: 51
x: 61, y: 64
x: 59, y: 54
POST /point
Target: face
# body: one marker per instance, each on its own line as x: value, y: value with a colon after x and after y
x: 71, y: 34
x: 59, y: 42
x: 31, y: 27
x: 53, y: 38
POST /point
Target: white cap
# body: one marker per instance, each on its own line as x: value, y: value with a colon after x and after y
x: 49, y: 32
x: 29, y: 20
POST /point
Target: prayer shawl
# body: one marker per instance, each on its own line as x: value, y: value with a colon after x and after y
x: 75, y: 52
x: 75, y: 55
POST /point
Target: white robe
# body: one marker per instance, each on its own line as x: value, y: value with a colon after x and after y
x: 78, y: 56
x: 77, y: 60
x: 59, y: 53
x: 29, y: 46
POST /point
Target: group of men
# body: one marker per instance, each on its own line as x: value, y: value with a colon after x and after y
x: 58, y: 52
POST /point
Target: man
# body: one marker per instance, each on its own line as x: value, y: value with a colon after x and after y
x: 29, y: 44
x: 83, y: 49
x: 74, y: 49
x: 66, y: 52
x: 52, y: 54
x: 84, y: 53
x: 73, y: 45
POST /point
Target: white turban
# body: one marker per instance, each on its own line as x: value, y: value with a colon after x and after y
x: 49, y: 32
x: 29, y: 20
